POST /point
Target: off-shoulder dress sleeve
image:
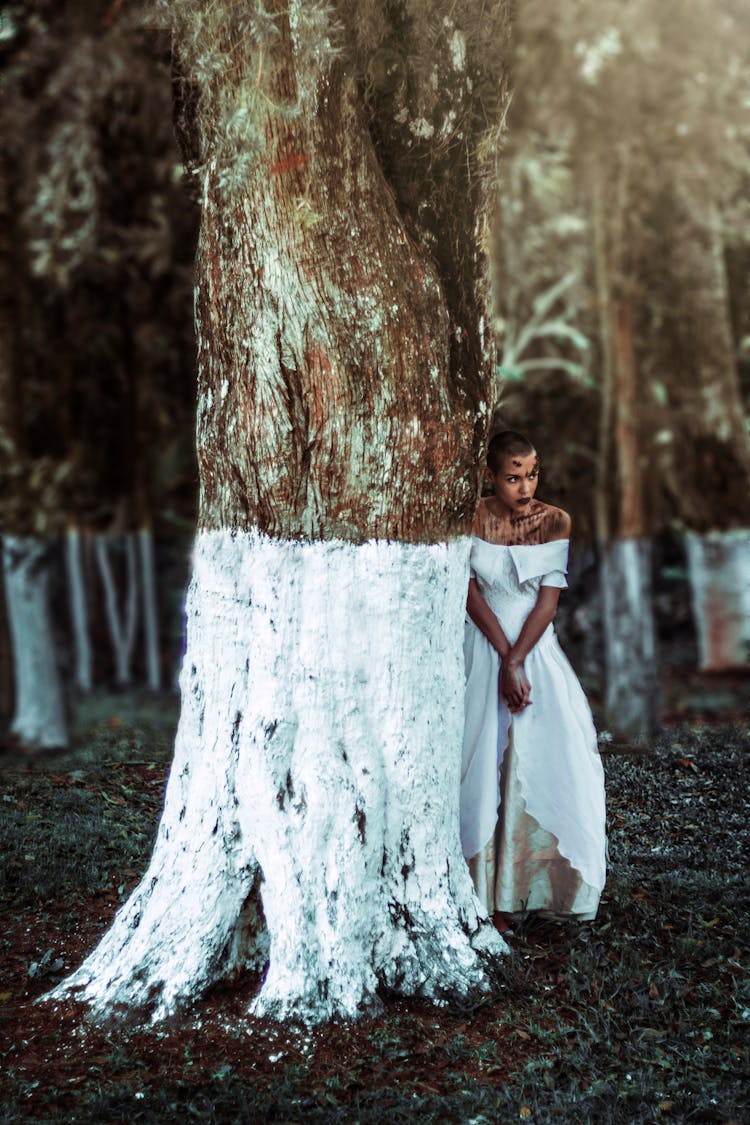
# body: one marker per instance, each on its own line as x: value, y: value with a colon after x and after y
x: 546, y: 560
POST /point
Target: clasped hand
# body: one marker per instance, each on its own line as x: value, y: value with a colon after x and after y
x: 514, y: 687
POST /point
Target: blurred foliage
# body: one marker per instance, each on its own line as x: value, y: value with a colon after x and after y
x: 97, y: 273
x: 649, y: 101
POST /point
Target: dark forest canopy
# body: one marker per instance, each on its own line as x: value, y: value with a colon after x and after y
x: 97, y: 272
x: 653, y: 95
x: 646, y: 107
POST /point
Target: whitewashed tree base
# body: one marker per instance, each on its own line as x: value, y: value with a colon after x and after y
x: 318, y: 751
x: 631, y: 662
x: 719, y: 573
x: 39, y: 717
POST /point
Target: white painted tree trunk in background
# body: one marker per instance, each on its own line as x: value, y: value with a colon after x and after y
x: 122, y: 627
x: 632, y: 682
x: 150, y: 611
x: 719, y: 574
x: 84, y: 678
x: 39, y: 716
x: 318, y: 749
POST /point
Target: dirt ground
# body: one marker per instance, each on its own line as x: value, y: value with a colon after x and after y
x: 642, y: 1016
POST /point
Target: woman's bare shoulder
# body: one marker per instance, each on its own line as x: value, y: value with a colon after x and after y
x: 556, y: 523
x: 544, y: 523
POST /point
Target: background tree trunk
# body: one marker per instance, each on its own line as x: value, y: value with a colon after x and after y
x: 632, y: 678
x: 632, y: 670
x: 121, y: 621
x: 631, y: 689
x: 147, y: 559
x: 78, y: 603
x: 6, y: 667
x: 39, y: 716
x: 319, y: 743
x: 704, y: 454
x: 706, y: 461
x: 719, y: 573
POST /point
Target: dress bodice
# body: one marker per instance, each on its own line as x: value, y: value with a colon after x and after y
x: 509, y: 577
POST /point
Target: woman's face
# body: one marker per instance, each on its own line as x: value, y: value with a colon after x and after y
x: 516, y: 480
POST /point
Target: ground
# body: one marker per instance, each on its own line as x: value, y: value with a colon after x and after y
x: 642, y: 1016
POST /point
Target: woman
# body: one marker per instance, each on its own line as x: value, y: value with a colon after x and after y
x: 532, y: 784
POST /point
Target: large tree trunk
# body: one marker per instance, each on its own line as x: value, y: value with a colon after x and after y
x: 324, y: 766
x: 319, y: 743
x: 39, y: 717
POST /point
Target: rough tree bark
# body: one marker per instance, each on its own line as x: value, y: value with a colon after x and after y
x: 340, y: 423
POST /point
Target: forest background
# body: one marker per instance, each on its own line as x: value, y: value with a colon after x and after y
x: 619, y: 251
x: 619, y: 248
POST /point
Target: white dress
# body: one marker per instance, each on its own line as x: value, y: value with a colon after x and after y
x: 539, y: 769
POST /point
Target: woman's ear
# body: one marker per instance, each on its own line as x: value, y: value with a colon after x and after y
x: 486, y: 486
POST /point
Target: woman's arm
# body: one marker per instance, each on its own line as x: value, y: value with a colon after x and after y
x: 514, y: 684
x: 485, y: 620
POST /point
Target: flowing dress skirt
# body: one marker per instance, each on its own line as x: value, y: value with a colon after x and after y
x: 545, y: 851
